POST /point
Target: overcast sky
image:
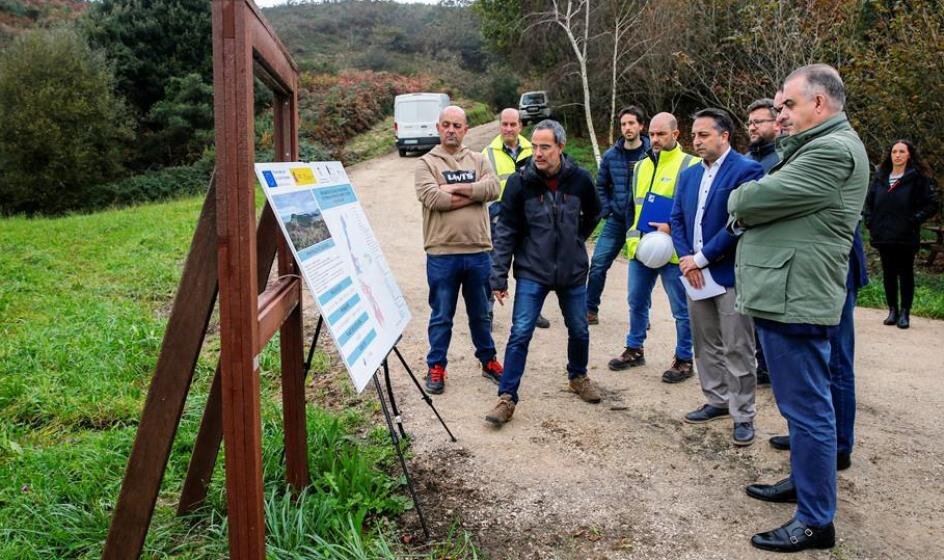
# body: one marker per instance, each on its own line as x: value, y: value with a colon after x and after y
x: 270, y: 3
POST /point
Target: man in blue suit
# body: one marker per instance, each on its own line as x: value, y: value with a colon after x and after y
x: 723, y: 338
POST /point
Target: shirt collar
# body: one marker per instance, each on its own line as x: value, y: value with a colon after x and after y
x: 718, y: 162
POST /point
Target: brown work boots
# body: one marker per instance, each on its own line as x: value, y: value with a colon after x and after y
x: 680, y: 371
x: 503, y: 411
x: 585, y: 389
x: 631, y: 357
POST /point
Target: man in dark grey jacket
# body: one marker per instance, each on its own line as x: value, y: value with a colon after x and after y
x: 762, y: 129
x: 549, y: 209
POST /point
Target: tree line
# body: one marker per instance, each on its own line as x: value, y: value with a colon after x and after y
x: 111, y: 102
x: 683, y: 55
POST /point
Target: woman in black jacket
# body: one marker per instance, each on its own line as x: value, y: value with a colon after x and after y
x: 900, y: 198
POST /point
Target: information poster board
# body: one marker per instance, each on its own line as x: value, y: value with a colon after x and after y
x: 341, y: 261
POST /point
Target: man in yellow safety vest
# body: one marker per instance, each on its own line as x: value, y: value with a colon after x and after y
x: 508, y: 152
x: 654, y: 180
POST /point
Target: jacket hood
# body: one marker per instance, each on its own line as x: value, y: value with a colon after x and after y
x: 762, y: 148
x: 439, y: 152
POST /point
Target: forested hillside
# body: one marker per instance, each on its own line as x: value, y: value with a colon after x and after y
x: 141, y: 74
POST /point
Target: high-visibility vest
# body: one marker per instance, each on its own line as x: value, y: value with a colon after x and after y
x: 659, y: 179
x: 501, y: 162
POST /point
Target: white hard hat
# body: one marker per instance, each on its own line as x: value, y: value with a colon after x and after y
x: 655, y: 249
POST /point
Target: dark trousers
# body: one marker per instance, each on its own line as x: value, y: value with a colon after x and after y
x: 607, y: 248
x: 529, y: 299
x: 447, y: 275
x: 842, y: 375
x: 800, y: 378
x: 898, y: 270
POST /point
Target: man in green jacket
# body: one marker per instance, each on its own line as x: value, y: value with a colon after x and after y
x: 790, y: 270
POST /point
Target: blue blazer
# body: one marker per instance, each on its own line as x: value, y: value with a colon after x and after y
x: 719, y: 244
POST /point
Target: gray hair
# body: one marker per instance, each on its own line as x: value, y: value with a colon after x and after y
x: 560, y: 136
x: 822, y: 78
x: 763, y: 103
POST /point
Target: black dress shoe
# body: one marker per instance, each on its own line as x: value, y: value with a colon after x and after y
x: 780, y: 442
x: 843, y: 461
x: 780, y: 492
x: 796, y: 536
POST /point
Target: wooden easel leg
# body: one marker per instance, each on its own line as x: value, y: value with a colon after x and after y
x: 207, y: 446
x: 168, y: 391
x: 293, y: 385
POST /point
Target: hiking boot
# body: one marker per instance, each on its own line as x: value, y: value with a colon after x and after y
x: 436, y: 379
x: 585, y: 389
x: 680, y: 371
x: 542, y: 322
x: 592, y: 318
x: 631, y: 357
x: 503, y: 411
x: 492, y: 370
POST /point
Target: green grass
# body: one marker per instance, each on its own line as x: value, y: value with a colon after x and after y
x: 377, y: 141
x: 928, y: 299
x: 82, y: 313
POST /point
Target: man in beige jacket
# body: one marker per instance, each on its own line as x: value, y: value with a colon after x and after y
x: 454, y: 184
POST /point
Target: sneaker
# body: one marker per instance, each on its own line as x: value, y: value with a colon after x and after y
x: 763, y: 378
x: 743, y: 434
x: 631, y: 357
x: 492, y: 370
x: 542, y: 322
x: 585, y: 389
x: 680, y: 371
x: 436, y: 379
x: 592, y: 318
x: 706, y: 413
x: 503, y: 411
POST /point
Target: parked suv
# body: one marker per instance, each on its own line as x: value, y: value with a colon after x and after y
x: 533, y: 106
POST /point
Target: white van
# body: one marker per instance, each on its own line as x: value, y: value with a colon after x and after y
x: 414, y: 120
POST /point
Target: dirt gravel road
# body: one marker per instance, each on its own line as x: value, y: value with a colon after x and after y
x: 626, y: 478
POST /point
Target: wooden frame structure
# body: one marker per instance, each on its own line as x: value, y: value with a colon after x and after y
x: 231, y: 254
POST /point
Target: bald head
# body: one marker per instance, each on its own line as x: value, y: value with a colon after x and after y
x: 510, y: 121
x: 452, y: 126
x: 663, y: 132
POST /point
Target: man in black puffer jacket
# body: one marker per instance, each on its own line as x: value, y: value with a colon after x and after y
x: 549, y: 209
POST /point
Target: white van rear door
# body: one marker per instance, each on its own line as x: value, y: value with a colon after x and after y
x: 416, y: 118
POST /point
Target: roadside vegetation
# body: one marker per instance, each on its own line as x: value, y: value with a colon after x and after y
x: 83, y: 307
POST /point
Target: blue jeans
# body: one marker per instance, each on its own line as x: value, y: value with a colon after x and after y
x: 842, y: 375
x: 607, y: 248
x: 446, y: 275
x: 800, y: 379
x: 642, y: 280
x: 529, y: 299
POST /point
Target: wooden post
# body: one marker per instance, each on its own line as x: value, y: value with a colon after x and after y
x: 229, y: 252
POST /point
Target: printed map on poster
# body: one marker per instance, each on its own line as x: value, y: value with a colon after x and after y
x: 341, y: 261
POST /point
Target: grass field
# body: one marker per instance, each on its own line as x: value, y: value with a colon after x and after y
x: 83, y: 307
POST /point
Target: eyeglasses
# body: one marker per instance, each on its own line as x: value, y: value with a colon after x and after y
x: 759, y: 122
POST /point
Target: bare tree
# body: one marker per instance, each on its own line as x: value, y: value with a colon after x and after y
x: 577, y: 31
x: 624, y: 17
